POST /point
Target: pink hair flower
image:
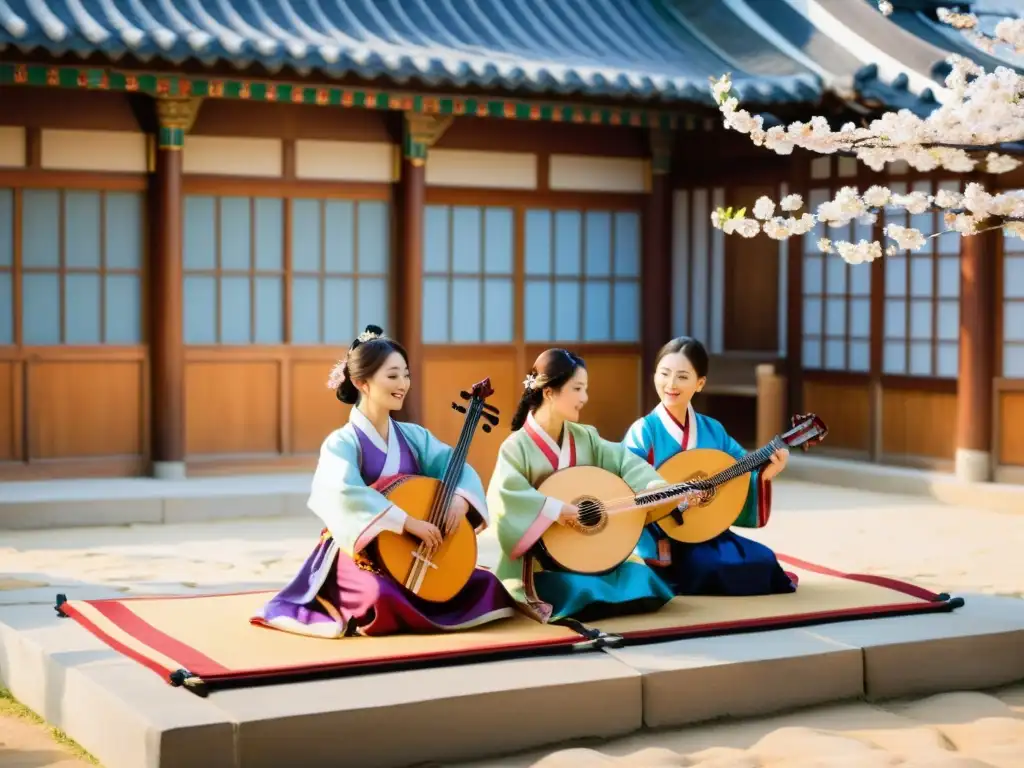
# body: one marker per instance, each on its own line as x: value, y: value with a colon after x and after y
x: 337, y: 375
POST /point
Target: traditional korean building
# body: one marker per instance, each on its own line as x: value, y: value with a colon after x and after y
x: 202, y: 204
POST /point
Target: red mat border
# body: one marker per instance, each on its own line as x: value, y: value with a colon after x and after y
x: 211, y: 671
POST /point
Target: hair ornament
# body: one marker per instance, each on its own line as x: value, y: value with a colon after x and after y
x: 367, y: 335
x: 337, y: 375
x: 530, y: 382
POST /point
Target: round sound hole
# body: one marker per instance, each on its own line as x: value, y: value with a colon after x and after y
x: 592, y: 517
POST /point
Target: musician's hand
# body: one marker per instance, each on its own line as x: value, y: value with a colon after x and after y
x: 778, y: 463
x: 568, y: 514
x: 457, y: 510
x: 424, y: 531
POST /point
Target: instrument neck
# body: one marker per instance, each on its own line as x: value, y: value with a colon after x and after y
x: 748, y: 463
x: 457, y: 462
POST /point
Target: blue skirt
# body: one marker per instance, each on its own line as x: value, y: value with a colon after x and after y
x: 728, y: 565
x: 629, y: 589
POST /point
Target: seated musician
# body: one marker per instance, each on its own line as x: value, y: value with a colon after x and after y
x: 547, y: 437
x: 335, y: 592
x: 728, y: 564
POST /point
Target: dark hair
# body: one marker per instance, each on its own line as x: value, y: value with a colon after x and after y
x: 365, y: 357
x: 691, y: 349
x: 551, y: 370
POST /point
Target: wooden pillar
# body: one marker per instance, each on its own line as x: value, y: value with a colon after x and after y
x: 977, y: 354
x: 420, y: 133
x: 656, y: 274
x: 166, y: 345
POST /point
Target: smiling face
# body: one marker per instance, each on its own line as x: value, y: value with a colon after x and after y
x: 389, y: 385
x: 568, y: 401
x: 676, y: 381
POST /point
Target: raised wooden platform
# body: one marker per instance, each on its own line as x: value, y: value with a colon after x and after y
x: 126, y: 716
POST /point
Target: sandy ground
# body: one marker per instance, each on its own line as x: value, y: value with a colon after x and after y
x: 944, y: 548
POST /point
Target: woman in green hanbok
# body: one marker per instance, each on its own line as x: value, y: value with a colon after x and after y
x: 546, y: 437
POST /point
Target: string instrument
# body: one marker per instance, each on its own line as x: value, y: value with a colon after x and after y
x: 610, y: 522
x: 612, y: 517
x: 436, y: 575
x: 723, y: 483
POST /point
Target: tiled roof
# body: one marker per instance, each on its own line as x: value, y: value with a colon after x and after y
x: 612, y: 48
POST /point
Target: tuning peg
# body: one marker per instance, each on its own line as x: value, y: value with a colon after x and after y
x: 459, y: 408
x: 491, y: 418
x: 487, y: 427
x: 491, y: 408
x: 465, y: 395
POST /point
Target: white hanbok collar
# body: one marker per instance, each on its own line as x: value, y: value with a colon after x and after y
x: 392, y: 449
x: 678, y: 432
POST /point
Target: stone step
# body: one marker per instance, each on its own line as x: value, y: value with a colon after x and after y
x: 127, y: 717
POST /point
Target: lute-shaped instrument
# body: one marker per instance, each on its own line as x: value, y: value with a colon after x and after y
x: 437, y: 574
x: 722, y: 483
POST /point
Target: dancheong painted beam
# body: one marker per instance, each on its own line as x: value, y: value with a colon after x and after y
x: 153, y: 84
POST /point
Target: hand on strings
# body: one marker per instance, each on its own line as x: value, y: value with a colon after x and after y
x: 424, y: 531
x: 568, y: 514
x: 457, y: 511
x: 778, y: 463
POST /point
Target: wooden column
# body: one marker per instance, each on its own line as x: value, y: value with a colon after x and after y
x: 977, y: 355
x: 420, y: 133
x: 166, y: 345
x: 656, y: 275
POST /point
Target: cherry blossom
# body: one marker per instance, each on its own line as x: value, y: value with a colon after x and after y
x: 981, y: 113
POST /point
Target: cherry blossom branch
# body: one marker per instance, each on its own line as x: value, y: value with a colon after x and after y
x: 1009, y: 32
x: 965, y: 214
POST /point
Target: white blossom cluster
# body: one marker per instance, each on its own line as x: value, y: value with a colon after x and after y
x: 983, y: 110
x: 1008, y: 32
x: 963, y: 214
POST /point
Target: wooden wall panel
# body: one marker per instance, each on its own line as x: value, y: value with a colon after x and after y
x: 845, y: 408
x: 444, y: 376
x: 751, y: 315
x: 232, y: 407
x: 10, y: 408
x: 1011, y: 437
x: 916, y: 423
x: 615, y: 392
x: 83, y: 409
x: 315, y: 409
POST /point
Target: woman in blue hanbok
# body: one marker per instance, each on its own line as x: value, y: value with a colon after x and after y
x: 728, y: 564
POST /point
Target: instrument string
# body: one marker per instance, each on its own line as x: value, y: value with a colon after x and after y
x: 665, y: 493
x: 439, y: 515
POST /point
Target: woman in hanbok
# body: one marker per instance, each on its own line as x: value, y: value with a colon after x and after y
x: 729, y: 564
x: 547, y: 437
x: 336, y: 592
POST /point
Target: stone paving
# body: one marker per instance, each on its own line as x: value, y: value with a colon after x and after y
x: 940, y: 547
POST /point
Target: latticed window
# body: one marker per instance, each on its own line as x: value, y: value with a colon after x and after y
x: 339, y: 273
x: 467, y: 275
x: 241, y: 289
x: 74, y: 274
x: 582, y: 276
x: 1013, y: 307
x: 922, y: 296
x: 836, y: 299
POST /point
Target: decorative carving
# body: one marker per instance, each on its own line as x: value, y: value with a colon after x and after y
x: 661, y: 141
x: 421, y: 133
x: 176, y: 116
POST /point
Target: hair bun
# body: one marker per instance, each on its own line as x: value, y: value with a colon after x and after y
x: 374, y: 329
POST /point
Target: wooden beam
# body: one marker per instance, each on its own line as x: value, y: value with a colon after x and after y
x: 977, y: 356
x: 420, y: 132
x: 656, y: 266
x: 166, y: 333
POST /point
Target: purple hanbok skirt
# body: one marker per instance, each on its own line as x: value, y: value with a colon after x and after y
x: 333, y: 596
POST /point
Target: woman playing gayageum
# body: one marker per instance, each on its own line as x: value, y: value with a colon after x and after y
x: 728, y: 564
x: 335, y: 593
x: 546, y: 437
